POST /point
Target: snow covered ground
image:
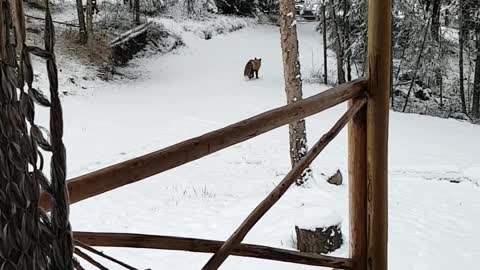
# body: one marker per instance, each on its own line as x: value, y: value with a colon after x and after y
x: 199, y: 88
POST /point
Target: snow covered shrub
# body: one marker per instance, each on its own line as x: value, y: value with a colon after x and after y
x: 317, y: 76
x: 117, y: 18
x: 195, y: 9
x: 423, y: 94
x: 269, y: 7
x: 163, y: 39
x: 218, y: 25
x: 211, y: 6
x: 248, y: 7
x: 237, y: 7
x: 152, y: 7
x: 96, y: 53
x: 156, y: 38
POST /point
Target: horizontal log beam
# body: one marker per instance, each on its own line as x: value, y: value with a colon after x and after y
x: 136, y: 169
x: 207, y: 246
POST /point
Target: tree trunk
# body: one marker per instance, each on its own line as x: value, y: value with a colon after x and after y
x: 417, y: 64
x: 324, y: 34
x: 435, y: 32
x: 293, y: 82
x: 435, y: 27
x: 441, y: 69
x: 81, y: 22
x: 137, y: 12
x: 391, y: 70
x: 89, y: 21
x: 469, y: 91
x: 460, y: 57
x: 397, y: 74
x: 191, y: 7
x: 427, y: 4
x: 476, y: 81
x: 324, y: 22
x: 346, y: 30
x: 365, y: 55
x: 338, y: 47
x: 447, y: 18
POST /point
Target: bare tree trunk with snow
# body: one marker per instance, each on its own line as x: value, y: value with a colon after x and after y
x: 435, y: 32
x: 190, y: 6
x: 324, y: 34
x: 469, y: 91
x: 293, y: 82
x: 476, y: 81
x: 417, y: 65
x: 136, y: 8
x: 81, y: 22
x: 89, y: 20
x: 346, y: 28
x: 460, y: 57
x: 338, y: 47
x: 435, y: 27
x: 440, y: 48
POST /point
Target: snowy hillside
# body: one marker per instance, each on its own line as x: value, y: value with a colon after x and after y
x: 199, y: 88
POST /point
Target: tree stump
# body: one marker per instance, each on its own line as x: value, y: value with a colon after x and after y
x: 320, y: 241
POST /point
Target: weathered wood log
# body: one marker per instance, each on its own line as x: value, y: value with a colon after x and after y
x: 133, y: 170
x: 129, y: 43
x: 319, y: 241
x: 219, y: 257
x: 128, y: 35
x: 357, y: 172
x: 207, y: 246
x: 379, y: 85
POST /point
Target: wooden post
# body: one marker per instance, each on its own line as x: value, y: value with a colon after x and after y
x: 357, y: 170
x: 379, y: 83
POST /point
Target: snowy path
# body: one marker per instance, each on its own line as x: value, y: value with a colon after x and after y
x: 200, y: 88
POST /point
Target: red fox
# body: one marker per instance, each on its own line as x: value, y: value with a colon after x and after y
x: 252, y: 67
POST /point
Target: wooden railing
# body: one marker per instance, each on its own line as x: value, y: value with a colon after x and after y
x: 133, y: 170
x: 207, y: 246
x: 368, y: 155
x: 136, y: 169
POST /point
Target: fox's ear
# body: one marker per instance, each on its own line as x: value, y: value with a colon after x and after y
x: 260, y: 59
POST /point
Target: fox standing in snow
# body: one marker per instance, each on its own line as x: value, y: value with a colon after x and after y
x: 252, y: 67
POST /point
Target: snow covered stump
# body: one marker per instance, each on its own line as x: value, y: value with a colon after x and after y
x: 321, y: 241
